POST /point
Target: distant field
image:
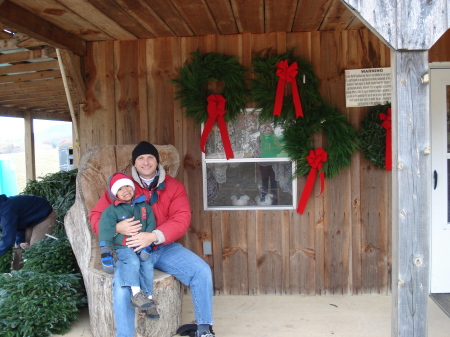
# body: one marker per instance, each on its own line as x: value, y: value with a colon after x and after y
x: 47, y: 161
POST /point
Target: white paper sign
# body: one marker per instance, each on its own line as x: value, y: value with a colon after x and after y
x: 367, y: 87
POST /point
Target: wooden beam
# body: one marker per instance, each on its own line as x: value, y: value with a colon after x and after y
x: 30, y: 157
x: 75, y: 137
x: 74, y: 72
x: 11, y: 43
x: 31, y: 43
x: 118, y: 14
x: 32, y: 84
x: 406, y: 24
x: 31, y: 76
x: 20, y: 113
x: 29, y: 67
x: 29, y: 91
x: 5, y: 35
x: 22, y: 56
x: 49, y: 95
x: 18, y: 18
x: 43, y: 105
x: 411, y: 186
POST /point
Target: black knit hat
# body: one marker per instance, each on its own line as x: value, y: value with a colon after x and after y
x: 144, y: 148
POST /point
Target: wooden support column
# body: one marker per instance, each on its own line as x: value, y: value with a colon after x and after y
x: 29, y: 148
x: 411, y: 183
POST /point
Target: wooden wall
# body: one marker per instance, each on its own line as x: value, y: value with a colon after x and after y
x: 342, y: 242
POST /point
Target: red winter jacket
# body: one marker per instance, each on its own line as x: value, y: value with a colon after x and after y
x: 172, y: 209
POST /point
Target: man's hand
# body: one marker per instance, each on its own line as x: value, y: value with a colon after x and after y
x: 128, y: 227
x: 24, y: 245
x: 141, y: 240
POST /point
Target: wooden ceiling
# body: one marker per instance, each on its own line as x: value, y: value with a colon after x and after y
x: 31, y: 79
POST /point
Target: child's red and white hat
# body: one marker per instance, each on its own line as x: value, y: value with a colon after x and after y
x: 119, y: 180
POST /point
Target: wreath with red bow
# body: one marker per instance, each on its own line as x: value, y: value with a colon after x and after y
x: 206, y: 106
x: 193, y: 79
x: 273, y: 73
x: 374, y: 136
x: 328, y: 161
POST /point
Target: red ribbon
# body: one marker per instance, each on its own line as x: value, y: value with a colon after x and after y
x: 287, y: 74
x: 316, y: 158
x: 386, y: 118
x: 216, y: 110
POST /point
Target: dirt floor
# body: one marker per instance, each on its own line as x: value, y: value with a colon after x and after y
x: 299, y: 316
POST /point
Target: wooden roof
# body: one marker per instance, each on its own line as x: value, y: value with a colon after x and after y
x: 30, y: 30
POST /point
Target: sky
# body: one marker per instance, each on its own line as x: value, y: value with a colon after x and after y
x: 13, y: 128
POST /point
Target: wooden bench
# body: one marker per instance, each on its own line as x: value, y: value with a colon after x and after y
x: 96, y: 166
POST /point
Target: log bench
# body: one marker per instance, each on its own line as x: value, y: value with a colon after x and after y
x: 96, y: 166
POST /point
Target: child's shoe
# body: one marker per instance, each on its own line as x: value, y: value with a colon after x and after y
x: 141, y: 301
x: 151, y: 313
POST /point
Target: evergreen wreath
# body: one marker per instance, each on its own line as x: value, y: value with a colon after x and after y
x: 193, y: 80
x: 372, y: 136
x: 263, y: 86
x: 340, y: 136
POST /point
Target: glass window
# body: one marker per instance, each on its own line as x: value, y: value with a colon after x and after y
x: 259, y: 176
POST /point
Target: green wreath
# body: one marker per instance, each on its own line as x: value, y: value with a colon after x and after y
x: 193, y: 80
x: 340, y: 139
x: 372, y: 136
x: 263, y: 86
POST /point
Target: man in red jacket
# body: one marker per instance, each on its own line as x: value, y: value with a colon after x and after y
x: 170, y: 205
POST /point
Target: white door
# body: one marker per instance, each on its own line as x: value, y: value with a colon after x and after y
x: 440, y: 215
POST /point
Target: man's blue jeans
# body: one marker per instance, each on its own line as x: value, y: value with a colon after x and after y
x: 132, y: 272
x: 187, y: 267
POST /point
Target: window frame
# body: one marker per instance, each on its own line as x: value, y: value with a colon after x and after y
x: 205, y: 161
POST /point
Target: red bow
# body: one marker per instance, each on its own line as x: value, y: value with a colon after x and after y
x: 316, y: 158
x: 216, y: 110
x: 287, y: 74
x: 386, y: 118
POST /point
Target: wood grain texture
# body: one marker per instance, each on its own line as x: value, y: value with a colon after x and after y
x: 404, y: 25
x: 411, y: 194
x: 96, y: 165
x: 222, y: 13
x: 310, y: 14
x: 245, y: 22
x: 341, y: 244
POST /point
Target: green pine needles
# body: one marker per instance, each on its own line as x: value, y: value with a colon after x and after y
x: 319, y: 115
x: 36, y: 305
x: 372, y: 136
x: 339, y: 134
x: 193, y: 79
x: 59, y: 189
x: 264, y: 85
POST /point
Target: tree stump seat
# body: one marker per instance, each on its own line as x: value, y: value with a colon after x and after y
x: 96, y: 166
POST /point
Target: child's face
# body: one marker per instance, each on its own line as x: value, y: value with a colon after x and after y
x: 125, y: 193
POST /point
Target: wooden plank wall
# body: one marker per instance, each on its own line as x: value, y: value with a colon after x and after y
x: 340, y: 245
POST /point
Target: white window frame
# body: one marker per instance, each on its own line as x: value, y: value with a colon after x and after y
x: 206, y: 161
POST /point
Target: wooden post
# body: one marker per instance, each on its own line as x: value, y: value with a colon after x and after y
x: 411, y: 183
x: 76, y: 143
x: 29, y: 148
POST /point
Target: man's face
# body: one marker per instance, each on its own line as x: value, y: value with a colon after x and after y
x: 146, y: 166
x: 125, y: 193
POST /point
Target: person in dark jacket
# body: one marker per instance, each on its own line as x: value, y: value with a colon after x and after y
x: 24, y: 219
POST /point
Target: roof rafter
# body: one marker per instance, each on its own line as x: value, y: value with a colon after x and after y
x: 18, y: 18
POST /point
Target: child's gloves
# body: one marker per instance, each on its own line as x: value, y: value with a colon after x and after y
x: 146, y: 251
x: 107, y: 260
